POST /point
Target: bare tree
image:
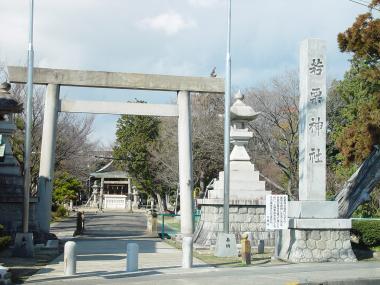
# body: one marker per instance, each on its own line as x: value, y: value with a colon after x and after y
x: 207, y: 137
x: 276, y: 131
x: 207, y: 143
x: 72, y: 135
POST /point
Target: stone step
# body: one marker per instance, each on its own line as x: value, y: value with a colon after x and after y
x: 246, y: 185
x: 241, y: 176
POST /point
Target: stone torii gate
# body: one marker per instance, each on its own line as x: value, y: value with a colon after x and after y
x: 54, y: 78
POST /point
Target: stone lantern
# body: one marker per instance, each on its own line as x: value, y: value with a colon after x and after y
x: 241, y: 115
x: 95, y: 192
x: 247, y: 192
x: 244, y: 180
x: 11, y: 180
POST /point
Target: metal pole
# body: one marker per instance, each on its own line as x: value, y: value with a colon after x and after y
x: 227, y: 103
x: 28, y: 119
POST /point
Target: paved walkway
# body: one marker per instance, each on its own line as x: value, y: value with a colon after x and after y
x: 101, y: 250
x: 101, y: 260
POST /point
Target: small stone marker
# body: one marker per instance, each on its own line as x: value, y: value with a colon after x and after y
x: 245, y: 249
x: 70, y: 259
x: 225, y: 245
x: 132, y: 257
x: 23, y: 245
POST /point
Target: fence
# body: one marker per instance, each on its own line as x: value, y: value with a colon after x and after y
x: 170, y: 224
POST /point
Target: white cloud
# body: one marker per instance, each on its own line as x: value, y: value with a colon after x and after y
x: 170, y: 23
x: 265, y: 39
x: 205, y: 3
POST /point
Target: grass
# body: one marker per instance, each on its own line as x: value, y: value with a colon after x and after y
x: 208, y: 257
x: 172, y: 224
x: 375, y: 248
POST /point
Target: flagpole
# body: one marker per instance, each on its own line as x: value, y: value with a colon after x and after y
x: 227, y: 103
x: 28, y: 122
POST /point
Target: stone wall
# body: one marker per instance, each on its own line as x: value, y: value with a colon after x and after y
x: 315, y: 245
x: 11, y: 214
x: 243, y: 218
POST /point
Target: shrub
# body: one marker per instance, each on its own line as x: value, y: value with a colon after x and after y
x: 61, y: 211
x: 368, y: 232
x: 5, y: 241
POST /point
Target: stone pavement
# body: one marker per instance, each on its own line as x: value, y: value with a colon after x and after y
x: 102, y: 248
x: 101, y: 260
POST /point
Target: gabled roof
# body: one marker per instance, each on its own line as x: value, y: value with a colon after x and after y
x: 108, y: 171
x: 110, y: 174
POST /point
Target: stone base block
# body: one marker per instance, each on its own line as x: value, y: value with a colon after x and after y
x: 319, y: 223
x: 244, y: 217
x: 11, y: 213
x: 23, y: 245
x: 307, y: 245
x: 312, y: 209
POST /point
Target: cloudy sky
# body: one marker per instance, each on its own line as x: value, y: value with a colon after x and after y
x: 181, y: 37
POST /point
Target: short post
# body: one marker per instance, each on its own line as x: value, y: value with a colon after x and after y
x: 152, y: 224
x: 163, y: 226
x: 260, y: 246
x: 276, y: 245
x: 245, y: 249
x: 80, y: 224
x: 132, y: 257
x: 101, y: 195
x: 129, y: 205
x: 82, y: 215
x: 70, y: 259
x: 187, y: 252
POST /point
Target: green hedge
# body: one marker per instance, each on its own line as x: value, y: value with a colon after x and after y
x: 5, y: 241
x: 368, y: 231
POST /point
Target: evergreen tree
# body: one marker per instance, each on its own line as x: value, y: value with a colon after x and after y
x: 359, y: 126
x: 135, y: 135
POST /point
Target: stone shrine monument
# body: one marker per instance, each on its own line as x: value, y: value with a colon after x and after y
x: 315, y: 233
x: 247, y: 192
x: 11, y: 180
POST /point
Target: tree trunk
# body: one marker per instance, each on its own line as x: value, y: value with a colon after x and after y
x: 159, y: 202
x: 165, y: 202
x: 202, y: 184
x: 358, y: 188
x: 272, y: 183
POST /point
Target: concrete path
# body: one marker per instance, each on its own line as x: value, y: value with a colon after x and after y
x: 101, y: 250
x: 101, y: 260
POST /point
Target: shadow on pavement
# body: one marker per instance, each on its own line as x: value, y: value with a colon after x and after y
x: 104, y: 274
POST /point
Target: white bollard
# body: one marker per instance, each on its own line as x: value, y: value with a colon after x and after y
x: 187, y: 252
x: 132, y: 257
x: 70, y: 259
